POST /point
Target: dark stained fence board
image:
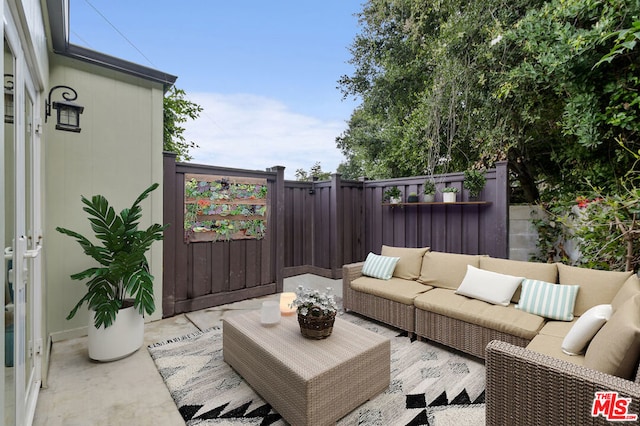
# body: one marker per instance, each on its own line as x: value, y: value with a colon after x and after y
x: 200, y: 257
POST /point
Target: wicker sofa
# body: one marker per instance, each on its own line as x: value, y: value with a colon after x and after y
x: 529, y: 377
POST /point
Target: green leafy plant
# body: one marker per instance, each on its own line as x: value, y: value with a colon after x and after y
x: 429, y: 187
x: 605, y: 228
x: 474, y: 181
x: 449, y: 189
x: 123, y: 270
x: 392, y: 192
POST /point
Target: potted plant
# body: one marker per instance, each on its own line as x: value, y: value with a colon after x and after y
x: 316, y: 312
x: 393, y: 195
x: 120, y: 287
x: 413, y: 197
x: 449, y: 194
x: 474, y: 181
x: 429, y: 190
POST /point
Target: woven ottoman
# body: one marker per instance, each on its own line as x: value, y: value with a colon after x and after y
x: 308, y: 382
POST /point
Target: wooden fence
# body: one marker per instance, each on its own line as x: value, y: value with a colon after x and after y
x: 316, y: 227
x: 198, y: 275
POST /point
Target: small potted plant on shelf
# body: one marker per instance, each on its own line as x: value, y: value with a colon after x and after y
x: 429, y: 190
x: 413, y: 197
x: 393, y: 195
x: 316, y: 312
x: 474, y: 182
x: 449, y: 194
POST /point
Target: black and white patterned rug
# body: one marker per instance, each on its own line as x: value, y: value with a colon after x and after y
x: 430, y: 385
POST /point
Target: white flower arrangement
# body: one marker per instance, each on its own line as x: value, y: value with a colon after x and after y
x: 307, y: 298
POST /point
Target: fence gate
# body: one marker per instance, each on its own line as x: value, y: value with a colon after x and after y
x: 222, y: 244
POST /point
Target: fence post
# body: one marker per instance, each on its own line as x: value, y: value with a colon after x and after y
x: 279, y: 210
x: 502, y: 208
x: 337, y: 226
x: 170, y: 234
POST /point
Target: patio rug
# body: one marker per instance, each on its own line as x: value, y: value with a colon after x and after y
x: 430, y: 385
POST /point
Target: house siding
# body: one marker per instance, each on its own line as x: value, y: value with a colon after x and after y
x: 117, y: 154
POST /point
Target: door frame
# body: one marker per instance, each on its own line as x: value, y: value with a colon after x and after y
x: 27, y: 253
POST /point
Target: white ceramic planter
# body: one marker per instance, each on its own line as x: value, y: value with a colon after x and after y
x: 449, y: 197
x: 393, y: 200
x: 121, y: 339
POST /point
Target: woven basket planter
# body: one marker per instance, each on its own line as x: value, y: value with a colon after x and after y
x: 316, y: 326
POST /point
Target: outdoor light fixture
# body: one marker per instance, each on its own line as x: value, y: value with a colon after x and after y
x: 8, y: 98
x: 68, y: 111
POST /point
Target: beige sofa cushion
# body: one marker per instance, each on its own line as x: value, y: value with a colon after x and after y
x: 506, y: 319
x: 557, y: 328
x: 396, y: 289
x: 552, y: 346
x: 410, y: 263
x: 596, y: 287
x: 446, y: 270
x: 533, y: 270
x: 615, y: 349
x: 630, y: 288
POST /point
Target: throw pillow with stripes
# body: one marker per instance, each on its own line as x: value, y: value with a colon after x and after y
x: 379, y: 266
x: 548, y: 300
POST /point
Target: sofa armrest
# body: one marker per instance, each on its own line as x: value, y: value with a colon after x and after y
x: 523, y: 386
x: 351, y: 271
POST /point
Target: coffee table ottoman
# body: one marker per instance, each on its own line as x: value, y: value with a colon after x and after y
x: 308, y: 382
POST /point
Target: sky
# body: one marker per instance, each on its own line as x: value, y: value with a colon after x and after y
x: 265, y: 72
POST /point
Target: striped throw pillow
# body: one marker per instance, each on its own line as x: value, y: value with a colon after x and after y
x: 548, y: 300
x: 379, y: 266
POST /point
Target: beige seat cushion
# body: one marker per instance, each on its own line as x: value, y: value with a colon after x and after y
x: 547, y: 272
x: 506, y: 319
x: 557, y: 328
x: 446, y: 270
x: 410, y: 263
x: 396, y: 289
x: 615, y: 349
x: 630, y: 288
x: 596, y: 287
x: 552, y: 346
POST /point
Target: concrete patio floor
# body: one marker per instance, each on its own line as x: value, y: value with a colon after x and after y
x: 130, y: 391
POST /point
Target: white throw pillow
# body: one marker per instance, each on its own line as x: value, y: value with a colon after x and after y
x: 379, y: 266
x: 581, y: 333
x: 489, y: 286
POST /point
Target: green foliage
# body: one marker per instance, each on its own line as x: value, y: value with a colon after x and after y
x: 452, y: 83
x: 392, y: 192
x: 429, y: 186
x: 177, y: 109
x: 605, y: 228
x: 314, y: 172
x: 626, y: 40
x: 123, y: 269
x: 474, y: 181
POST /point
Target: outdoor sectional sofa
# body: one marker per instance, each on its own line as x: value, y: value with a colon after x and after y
x: 530, y: 379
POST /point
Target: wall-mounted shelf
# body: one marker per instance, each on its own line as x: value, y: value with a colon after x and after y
x: 440, y: 203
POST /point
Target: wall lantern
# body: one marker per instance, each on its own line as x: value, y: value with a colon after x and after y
x: 68, y: 111
x: 8, y: 98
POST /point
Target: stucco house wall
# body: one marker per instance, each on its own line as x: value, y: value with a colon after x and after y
x: 117, y: 154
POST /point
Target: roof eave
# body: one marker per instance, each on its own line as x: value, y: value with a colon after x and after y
x: 59, y: 25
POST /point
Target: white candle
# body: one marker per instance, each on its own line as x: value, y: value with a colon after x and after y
x: 285, y: 303
x: 270, y: 312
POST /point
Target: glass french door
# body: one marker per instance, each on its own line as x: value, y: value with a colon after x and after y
x: 23, y: 237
